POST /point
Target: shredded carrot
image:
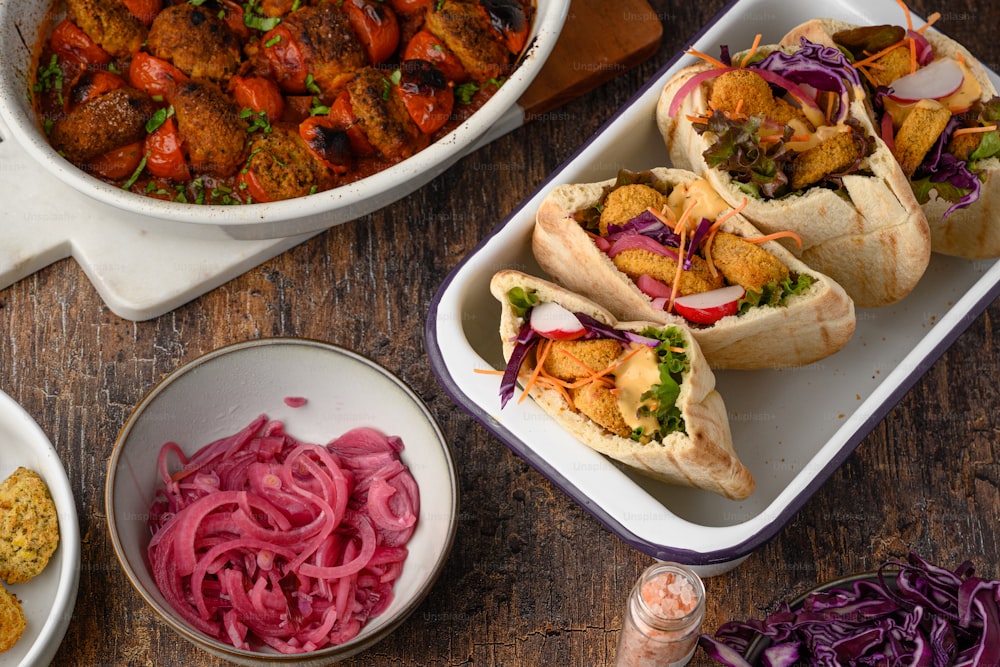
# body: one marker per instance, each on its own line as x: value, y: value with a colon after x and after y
x: 864, y: 62
x: 662, y: 217
x: 680, y: 260
x: 729, y: 214
x: 913, y: 55
x: 556, y: 385
x: 709, y: 59
x: 487, y: 371
x: 544, y: 346
x: 931, y: 20
x: 739, y: 104
x: 906, y: 10
x: 753, y: 49
x: 974, y: 130
x: 777, y: 235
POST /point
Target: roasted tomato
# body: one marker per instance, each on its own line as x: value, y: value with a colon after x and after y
x: 427, y: 94
x: 509, y: 19
x: 73, y: 44
x: 235, y: 18
x: 119, y: 163
x: 154, y: 75
x: 91, y: 83
x: 164, y: 154
x: 425, y: 46
x: 409, y: 6
x: 285, y: 59
x: 328, y: 140
x: 259, y: 94
x: 144, y: 10
x: 376, y: 27
x: 343, y: 114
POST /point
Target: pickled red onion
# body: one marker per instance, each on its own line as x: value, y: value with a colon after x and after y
x: 260, y: 539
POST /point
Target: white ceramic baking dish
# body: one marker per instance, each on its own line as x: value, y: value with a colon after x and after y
x: 792, y: 427
x: 19, y: 27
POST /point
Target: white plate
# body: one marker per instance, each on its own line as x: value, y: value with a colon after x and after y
x: 49, y: 598
x: 792, y: 427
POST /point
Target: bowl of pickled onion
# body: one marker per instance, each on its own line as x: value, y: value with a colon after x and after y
x: 282, y: 501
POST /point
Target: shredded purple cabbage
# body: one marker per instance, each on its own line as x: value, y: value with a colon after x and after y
x: 648, y: 225
x: 822, y: 67
x: 527, y: 338
x: 925, y: 615
x: 951, y: 177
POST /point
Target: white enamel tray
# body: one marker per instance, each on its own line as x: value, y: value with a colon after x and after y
x: 792, y: 427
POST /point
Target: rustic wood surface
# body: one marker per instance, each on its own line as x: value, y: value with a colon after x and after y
x: 533, y: 579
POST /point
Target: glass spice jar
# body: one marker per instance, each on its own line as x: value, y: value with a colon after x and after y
x: 662, y: 618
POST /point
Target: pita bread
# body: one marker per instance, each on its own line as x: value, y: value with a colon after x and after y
x: 811, y: 326
x: 974, y: 231
x: 702, y: 458
x: 872, y: 238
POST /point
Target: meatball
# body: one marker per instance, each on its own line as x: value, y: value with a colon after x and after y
x: 467, y: 32
x: 283, y: 167
x: 330, y: 47
x: 746, y: 264
x: 574, y: 359
x: 196, y: 41
x: 697, y: 279
x: 831, y: 156
x: 383, y: 116
x: 109, y: 121
x: 213, y: 135
x: 626, y: 202
x: 919, y: 132
x: 596, y: 401
x: 109, y: 23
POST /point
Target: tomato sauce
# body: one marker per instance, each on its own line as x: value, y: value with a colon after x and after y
x: 72, y: 70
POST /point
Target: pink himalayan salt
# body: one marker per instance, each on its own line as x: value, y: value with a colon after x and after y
x: 661, y: 629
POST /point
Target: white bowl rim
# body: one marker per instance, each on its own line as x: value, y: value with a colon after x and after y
x: 341, y: 651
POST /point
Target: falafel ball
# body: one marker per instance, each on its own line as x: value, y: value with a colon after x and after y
x: 106, y: 122
x: 574, y: 359
x: 626, y: 202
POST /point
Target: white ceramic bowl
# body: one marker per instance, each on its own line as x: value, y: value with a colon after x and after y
x: 19, y: 27
x: 49, y: 598
x: 220, y: 393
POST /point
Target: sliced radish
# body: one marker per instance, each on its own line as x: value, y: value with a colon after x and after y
x: 939, y: 79
x: 709, y: 307
x: 554, y: 321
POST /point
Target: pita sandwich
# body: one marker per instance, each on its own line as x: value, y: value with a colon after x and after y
x: 806, y: 160
x: 947, y: 143
x: 789, y: 315
x: 640, y: 393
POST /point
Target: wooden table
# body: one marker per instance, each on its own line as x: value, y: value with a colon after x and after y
x: 533, y: 579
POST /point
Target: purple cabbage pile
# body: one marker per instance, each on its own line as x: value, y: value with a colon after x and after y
x: 912, y: 613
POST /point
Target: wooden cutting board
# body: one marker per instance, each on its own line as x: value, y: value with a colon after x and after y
x: 599, y: 41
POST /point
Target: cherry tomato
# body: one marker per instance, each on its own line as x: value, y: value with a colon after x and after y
x: 425, y: 46
x: 285, y: 59
x: 250, y: 183
x: 409, y: 6
x: 235, y: 19
x: 328, y: 141
x: 376, y: 26
x: 89, y: 84
x: 274, y: 8
x: 144, y: 10
x: 259, y: 94
x: 164, y: 155
x: 426, y: 94
x: 343, y: 114
x: 73, y: 44
x: 118, y: 164
x: 509, y: 19
x: 154, y: 75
